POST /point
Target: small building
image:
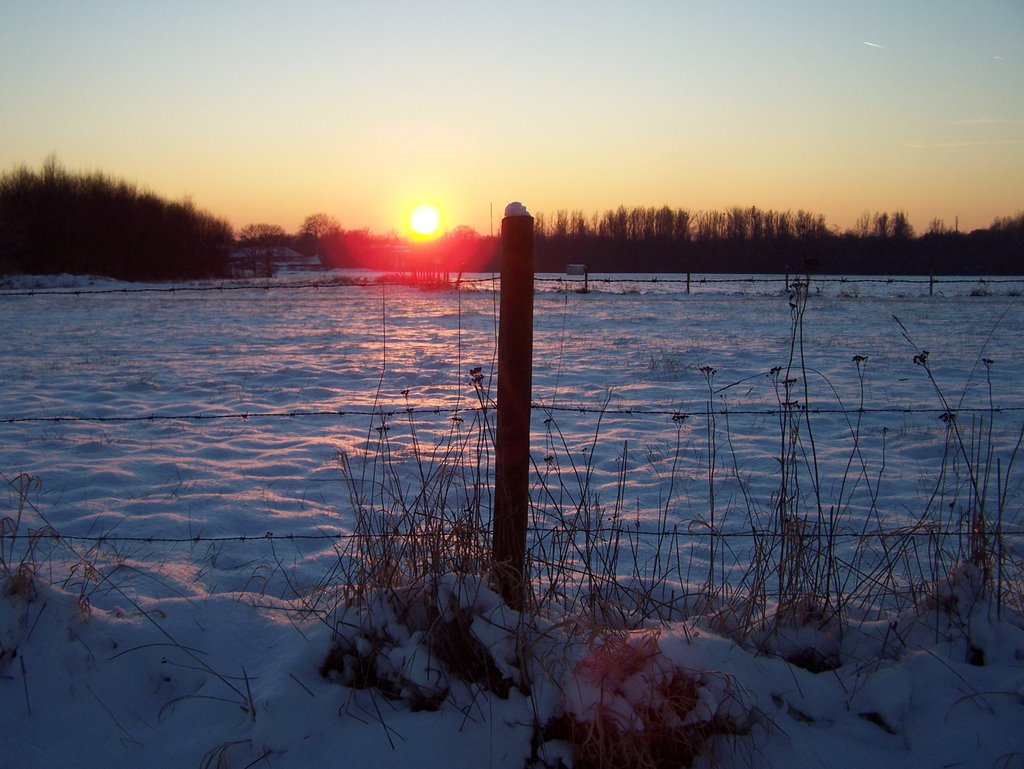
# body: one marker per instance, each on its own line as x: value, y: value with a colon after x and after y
x: 261, y: 262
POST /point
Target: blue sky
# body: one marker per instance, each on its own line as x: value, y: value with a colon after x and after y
x: 265, y: 111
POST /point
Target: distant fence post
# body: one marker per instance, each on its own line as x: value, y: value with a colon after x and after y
x: 515, y: 392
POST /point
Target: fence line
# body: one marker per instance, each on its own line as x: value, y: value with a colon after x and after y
x: 327, y: 283
x: 775, y: 279
x: 649, y: 410
x: 244, y: 415
x: 333, y: 283
x: 676, y: 415
x: 100, y: 539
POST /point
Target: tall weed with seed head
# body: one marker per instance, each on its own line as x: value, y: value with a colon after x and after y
x: 818, y: 560
x: 411, y: 582
x: 811, y: 555
x: 19, y: 549
x: 972, y: 492
x: 422, y: 516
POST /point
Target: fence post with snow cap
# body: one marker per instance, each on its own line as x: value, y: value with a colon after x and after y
x: 515, y: 392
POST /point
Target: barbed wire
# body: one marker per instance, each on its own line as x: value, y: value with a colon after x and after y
x: 675, y: 414
x: 595, y: 278
x: 622, y: 532
x: 228, y: 287
x: 688, y: 532
x: 335, y: 283
x: 678, y: 415
x: 246, y: 415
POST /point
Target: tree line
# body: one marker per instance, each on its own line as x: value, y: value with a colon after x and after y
x: 54, y: 221
x: 665, y: 239
x: 753, y: 240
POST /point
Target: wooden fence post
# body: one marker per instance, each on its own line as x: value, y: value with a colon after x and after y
x: 515, y: 391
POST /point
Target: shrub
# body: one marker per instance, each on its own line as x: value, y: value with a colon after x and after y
x: 628, y: 705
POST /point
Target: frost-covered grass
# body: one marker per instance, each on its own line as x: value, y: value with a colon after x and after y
x: 777, y: 529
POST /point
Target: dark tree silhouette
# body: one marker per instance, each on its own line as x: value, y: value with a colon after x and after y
x: 751, y: 240
x: 262, y: 243
x: 315, y: 227
x: 54, y: 221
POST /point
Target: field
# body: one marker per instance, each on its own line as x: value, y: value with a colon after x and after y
x: 813, y: 492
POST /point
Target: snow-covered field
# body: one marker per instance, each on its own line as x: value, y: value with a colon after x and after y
x: 199, y: 458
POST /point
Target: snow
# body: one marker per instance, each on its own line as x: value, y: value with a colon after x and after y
x: 202, y: 456
x: 516, y: 209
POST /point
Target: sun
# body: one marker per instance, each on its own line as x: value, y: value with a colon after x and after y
x: 425, y: 221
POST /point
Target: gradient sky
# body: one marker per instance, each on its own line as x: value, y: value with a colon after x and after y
x: 269, y: 111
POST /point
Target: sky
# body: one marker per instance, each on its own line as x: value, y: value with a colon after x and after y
x: 268, y: 112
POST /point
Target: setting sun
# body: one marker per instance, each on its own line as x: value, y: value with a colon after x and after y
x: 425, y: 221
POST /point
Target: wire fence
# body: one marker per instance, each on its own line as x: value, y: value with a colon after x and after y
x: 674, y: 415
x: 115, y: 539
x: 640, y: 411
x: 981, y: 283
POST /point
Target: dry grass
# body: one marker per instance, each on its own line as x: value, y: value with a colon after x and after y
x: 800, y: 576
x: 19, y: 550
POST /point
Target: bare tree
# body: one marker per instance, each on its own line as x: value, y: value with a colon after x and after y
x: 902, y: 229
x: 863, y: 226
x: 809, y: 225
x: 663, y: 219
x: 681, y: 225
x: 561, y: 225
x: 883, y: 225
x: 578, y: 226
x: 737, y: 223
x: 262, y: 241
x: 316, y: 226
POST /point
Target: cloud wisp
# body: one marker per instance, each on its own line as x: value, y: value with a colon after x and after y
x: 918, y: 145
